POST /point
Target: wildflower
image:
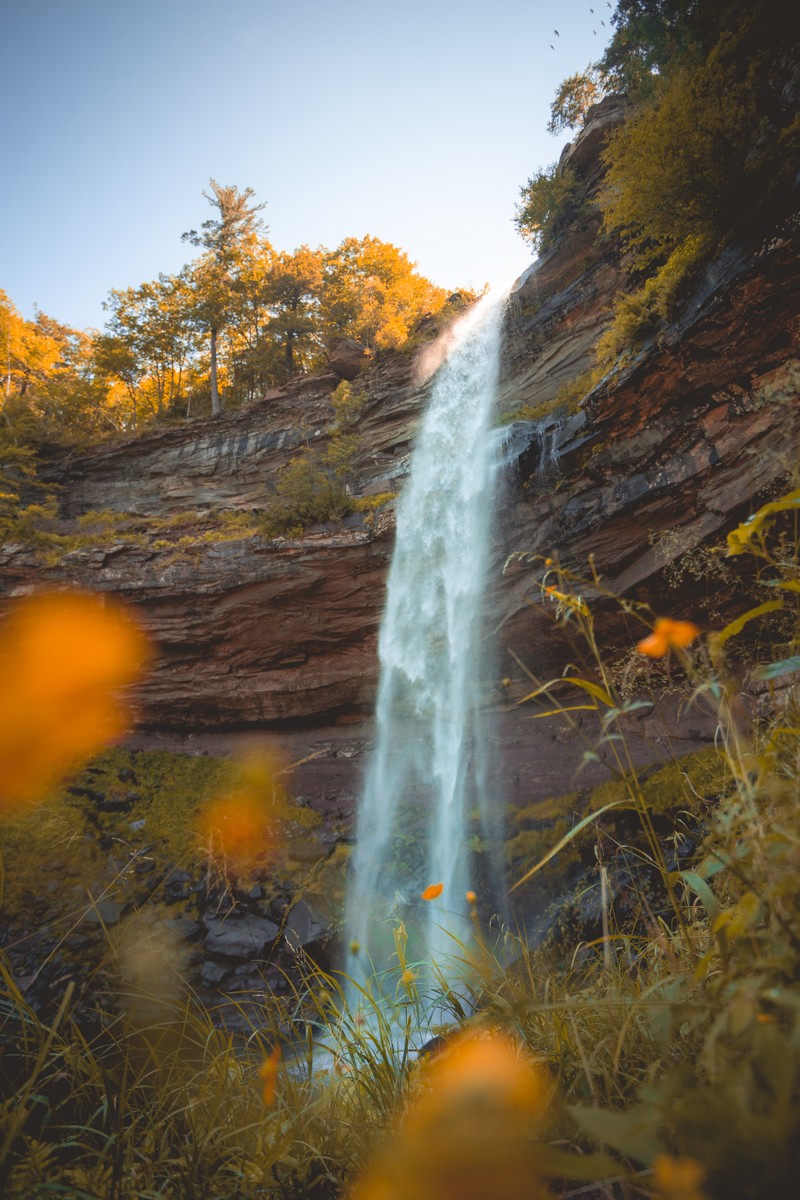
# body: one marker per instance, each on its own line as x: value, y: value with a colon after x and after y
x: 268, y: 1072
x: 573, y: 603
x: 355, y: 947
x: 471, y: 898
x: 678, y: 1178
x: 432, y: 891
x: 64, y: 660
x: 666, y: 635
x: 408, y: 977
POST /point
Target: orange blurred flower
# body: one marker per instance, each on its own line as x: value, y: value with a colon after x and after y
x: 666, y: 635
x: 64, y: 659
x: 678, y: 1178
x: 268, y: 1073
x: 246, y: 827
x: 471, y: 898
x: 468, y: 1133
x: 432, y: 891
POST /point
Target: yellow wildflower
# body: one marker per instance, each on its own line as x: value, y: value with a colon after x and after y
x: 432, y: 891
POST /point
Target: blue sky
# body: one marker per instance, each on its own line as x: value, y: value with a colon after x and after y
x: 414, y: 122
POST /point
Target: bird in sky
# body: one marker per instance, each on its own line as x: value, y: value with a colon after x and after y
x: 555, y: 31
x: 552, y: 47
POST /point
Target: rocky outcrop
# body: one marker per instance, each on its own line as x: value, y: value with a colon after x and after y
x: 348, y: 357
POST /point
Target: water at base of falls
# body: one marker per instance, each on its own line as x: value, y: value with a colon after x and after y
x: 426, y: 796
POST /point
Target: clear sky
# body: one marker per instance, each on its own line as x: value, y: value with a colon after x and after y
x: 416, y: 121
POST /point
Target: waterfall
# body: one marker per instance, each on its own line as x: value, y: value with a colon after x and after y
x: 425, y: 790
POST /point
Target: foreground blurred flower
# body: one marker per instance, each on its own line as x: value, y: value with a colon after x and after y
x: 268, y: 1074
x: 432, y: 891
x: 469, y: 1131
x: 678, y: 1178
x: 151, y: 960
x: 245, y: 828
x: 64, y: 659
x: 668, y: 634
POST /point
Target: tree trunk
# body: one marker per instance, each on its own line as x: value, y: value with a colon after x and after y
x: 216, y: 406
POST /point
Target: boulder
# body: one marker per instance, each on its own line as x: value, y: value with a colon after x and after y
x: 347, y: 357
x: 235, y: 936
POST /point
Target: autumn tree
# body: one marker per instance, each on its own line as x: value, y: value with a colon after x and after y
x: 223, y: 240
x: 149, y: 340
x: 372, y: 292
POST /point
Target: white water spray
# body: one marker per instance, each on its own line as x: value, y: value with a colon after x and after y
x: 428, y: 768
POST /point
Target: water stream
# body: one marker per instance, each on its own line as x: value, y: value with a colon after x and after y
x: 426, y: 794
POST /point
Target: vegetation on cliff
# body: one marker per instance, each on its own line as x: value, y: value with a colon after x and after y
x: 707, y: 154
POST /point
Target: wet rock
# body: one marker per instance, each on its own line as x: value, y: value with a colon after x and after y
x: 212, y: 973
x: 177, y: 887
x: 85, y: 793
x: 183, y: 926
x: 302, y: 927
x: 105, y: 911
x: 235, y: 936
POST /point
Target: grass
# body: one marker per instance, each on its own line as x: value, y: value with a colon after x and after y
x: 651, y: 1049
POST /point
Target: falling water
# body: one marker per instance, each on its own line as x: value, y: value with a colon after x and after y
x: 427, y: 774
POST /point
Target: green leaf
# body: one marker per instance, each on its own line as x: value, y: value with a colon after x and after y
x: 788, y: 585
x: 774, y: 669
x: 564, y: 841
x: 738, y: 625
x: 701, y: 889
x: 593, y: 689
x: 635, y: 1133
x: 560, y: 1164
x: 556, y: 712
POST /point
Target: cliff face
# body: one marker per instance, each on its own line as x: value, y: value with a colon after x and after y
x: 249, y: 631
x: 660, y: 458
x: 669, y: 453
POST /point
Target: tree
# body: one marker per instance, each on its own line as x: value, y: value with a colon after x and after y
x: 149, y: 341
x: 292, y: 293
x: 223, y: 239
x: 372, y: 292
x: 574, y: 98
x: 547, y: 201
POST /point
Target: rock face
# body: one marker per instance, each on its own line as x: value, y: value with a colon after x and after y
x: 249, y: 631
x: 671, y: 452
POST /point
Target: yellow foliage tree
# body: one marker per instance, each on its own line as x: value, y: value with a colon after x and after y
x: 373, y: 293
